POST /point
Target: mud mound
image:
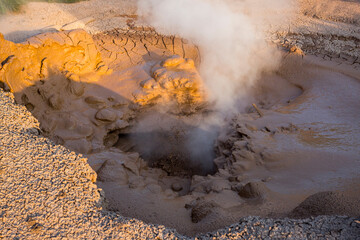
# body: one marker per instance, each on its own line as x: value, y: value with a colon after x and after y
x: 62, y: 79
x: 328, y: 203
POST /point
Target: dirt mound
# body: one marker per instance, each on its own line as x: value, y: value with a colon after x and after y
x: 80, y: 102
x: 328, y: 203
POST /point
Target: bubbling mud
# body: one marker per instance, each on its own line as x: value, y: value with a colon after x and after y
x: 134, y: 104
x: 167, y: 148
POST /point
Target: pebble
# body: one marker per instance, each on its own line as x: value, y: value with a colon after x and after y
x: 106, y: 115
x: 176, y: 187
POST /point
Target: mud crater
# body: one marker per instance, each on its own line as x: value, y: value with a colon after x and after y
x: 170, y: 151
x: 144, y: 125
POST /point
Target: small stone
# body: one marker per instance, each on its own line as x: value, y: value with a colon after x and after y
x: 176, y: 187
x: 113, y: 171
x: 29, y: 107
x: 132, y: 166
x: 96, y: 102
x: 106, y: 115
x: 34, y: 131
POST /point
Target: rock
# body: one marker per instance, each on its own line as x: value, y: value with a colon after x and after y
x: 96, y: 102
x: 30, y: 107
x: 97, y: 159
x: 34, y: 131
x: 176, y: 187
x: 113, y: 171
x: 133, y: 163
x: 106, y: 115
x: 119, y: 103
x: 117, y: 125
x: 297, y: 51
x: 253, y: 190
x: 79, y: 145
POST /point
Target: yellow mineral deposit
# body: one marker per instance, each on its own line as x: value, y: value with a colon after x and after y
x: 73, y: 53
x: 176, y: 79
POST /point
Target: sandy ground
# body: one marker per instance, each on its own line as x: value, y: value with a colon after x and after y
x: 307, y: 118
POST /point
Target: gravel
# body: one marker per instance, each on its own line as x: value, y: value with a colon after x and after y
x: 48, y: 191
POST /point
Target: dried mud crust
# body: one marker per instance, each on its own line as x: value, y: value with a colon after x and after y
x: 47, y: 191
x: 338, y: 48
x: 324, y: 28
x: 121, y: 49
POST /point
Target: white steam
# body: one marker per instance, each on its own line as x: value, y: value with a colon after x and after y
x: 230, y: 35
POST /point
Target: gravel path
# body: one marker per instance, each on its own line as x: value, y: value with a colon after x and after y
x: 48, y: 191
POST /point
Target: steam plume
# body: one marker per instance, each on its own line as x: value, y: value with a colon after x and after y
x: 230, y: 35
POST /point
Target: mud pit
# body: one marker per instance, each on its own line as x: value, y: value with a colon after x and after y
x: 140, y: 115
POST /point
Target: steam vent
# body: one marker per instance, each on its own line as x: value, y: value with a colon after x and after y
x: 192, y: 119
